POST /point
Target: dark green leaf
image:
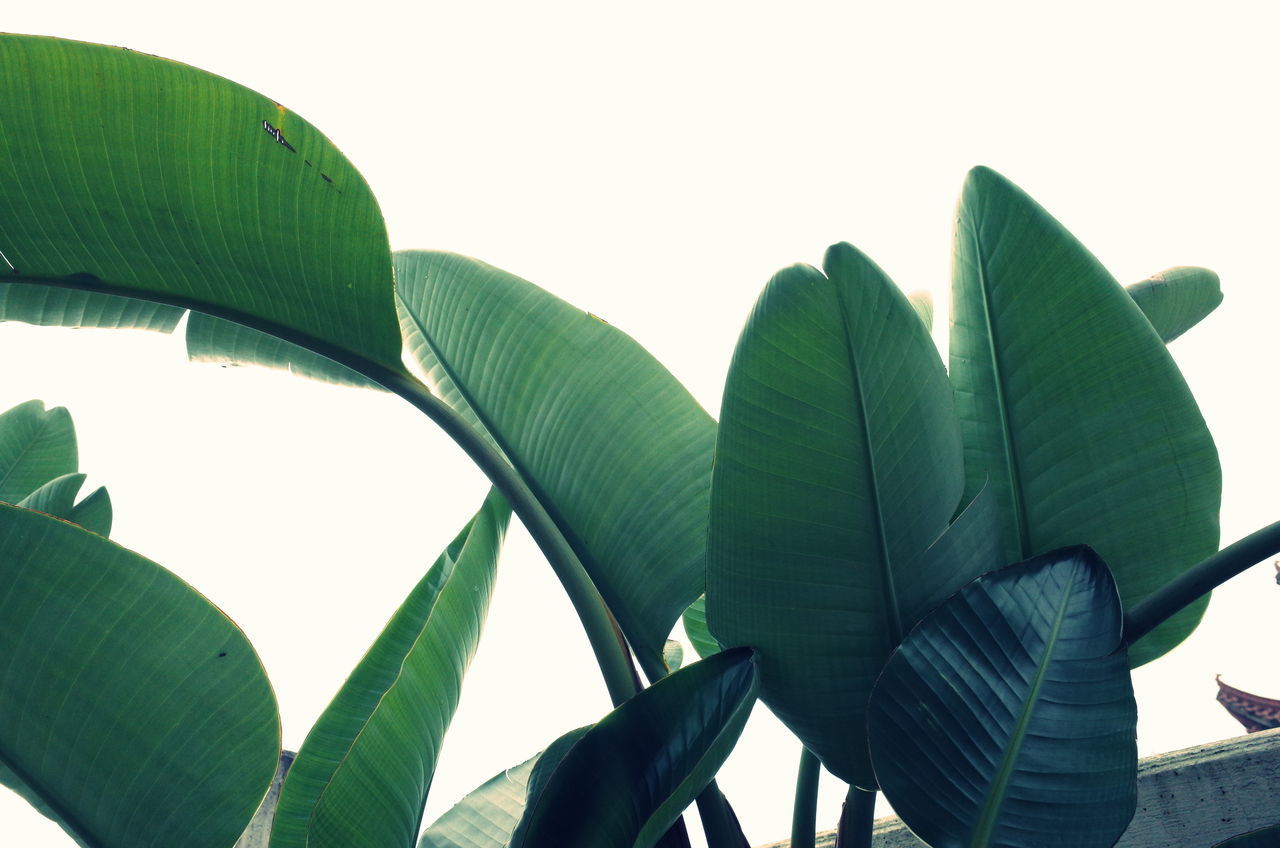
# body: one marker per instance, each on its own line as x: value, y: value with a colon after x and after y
x: 612, y: 445
x: 626, y: 780
x: 362, y: 775
x: 1177, y: 299
x: 127, y: 174
x: 695, y: 627
x: 488, y: 816
x: 1072, y: 408
x: 1267, y: 837
x: 225, y: 343
x: 1007, y: 718
x: 36, y: 445
x: 136, y: 715
x: 838, y: 464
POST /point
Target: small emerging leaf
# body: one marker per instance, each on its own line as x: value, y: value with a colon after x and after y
x: 1177, y: 299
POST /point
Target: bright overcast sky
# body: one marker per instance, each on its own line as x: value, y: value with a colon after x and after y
x: 655, y: 164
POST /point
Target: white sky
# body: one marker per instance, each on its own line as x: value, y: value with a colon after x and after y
x: 655, y: 164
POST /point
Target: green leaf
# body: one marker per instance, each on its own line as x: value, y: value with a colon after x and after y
x: 922, y: 303
x: 36, y: 445
x: 211, y: 339
x: 57, y: 497
x: 628, y: 778
x: 614, y: 448
x: 123, y: 173
x: 136, y: 714
x: 50, y: 307
x: 695, y: 627
x: 673, y: 655
x: 94, y: 512
x: 1007, y: 718
x: 1267, y: 837
x: 838, y: 464
x: 1072, y: 408
x: 1177, y: 299
x: 362, y: 775
x: 488, y: 816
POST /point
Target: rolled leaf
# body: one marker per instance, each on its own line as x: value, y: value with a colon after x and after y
x: 1177, y: 299
x: 135, y: 714
x: 362, y: 774
x: 1007, y: 717
x: 154, y: 180
x: 628, y: 778
x: 36, y: 445
x: 612, y: 445
x: 838, y: 464
x: 1071, y: 408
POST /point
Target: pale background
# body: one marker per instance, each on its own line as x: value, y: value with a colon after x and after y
x: 655, y: 163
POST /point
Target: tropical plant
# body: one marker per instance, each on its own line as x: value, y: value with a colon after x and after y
x: 850, y: 536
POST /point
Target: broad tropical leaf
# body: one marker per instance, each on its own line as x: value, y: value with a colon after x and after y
x: 695, y: 627
x: 613, y: 446
x: 1007, y: 718
x: 838, y: 464
x: 1177, y: 299
x: 134, y: 713
x: 154, y: 180
x: 211, y: 339
x: 36, y: 445
x: 1071, y: 408
x: 362, y: 775
x: 488, y: 816
x: 628, y: 778
x: 50, y: 307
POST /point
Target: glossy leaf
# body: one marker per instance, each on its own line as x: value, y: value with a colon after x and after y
x: 135, y: 713
x: 488, y: 815
x: 613, y: 446
x: 695, y: 627
x: 1071, y: 408
x: 50, y: 307
x: 362, y: 775
x: 1177, y: 299
x: 36, y: 445
x: 211, y: 339
x: 1007, y: 717
x: 838, y: 464
x: 127, y: 174
x: 628, y: 778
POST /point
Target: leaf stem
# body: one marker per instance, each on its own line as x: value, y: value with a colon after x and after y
x: 1199, y: 579
x: 804, y: 814
x: 856, y: 819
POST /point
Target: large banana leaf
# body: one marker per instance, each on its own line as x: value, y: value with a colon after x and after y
x: 126, y: 174
x: 612, y: 445
x: 628, y: 778
x: 1177, y: 299
x: 132, y: 711
x: 1071, y: 407
x: 36, y: 445
x: 1007, y: 717
x: 212, y: 339
x: 488, y: 816
x: 838, y: 464
x: 50, y: 307
x: 362, y: 775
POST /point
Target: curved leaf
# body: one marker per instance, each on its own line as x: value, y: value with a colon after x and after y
x: 695, y: 627
x: 488, y: 816
x: 36, y: 445
x: 94, y: 512
x: 1267, y: 837
x: 135, y: 713
x: 1177, y: 299
x: 628, y: 778
x: 155, y: 180
x: 57, y: 497
x: 50, y: 307
x: 1007, y: 718
x: 211, y: 339
x: 362, y: 775
x: 1072, y: 408
x: 838, y: 464
x: 613, y: 446
x: 922, y: 303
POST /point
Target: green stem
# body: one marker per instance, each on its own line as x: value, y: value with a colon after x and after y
x: 1199, y: 579
x: 856, y: 819
x: 804, y: 815
x: 607, y: 642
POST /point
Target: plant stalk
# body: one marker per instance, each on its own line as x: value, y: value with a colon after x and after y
x: 1199, y: 579
x: 856, y: 819
x: 804, y: 815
